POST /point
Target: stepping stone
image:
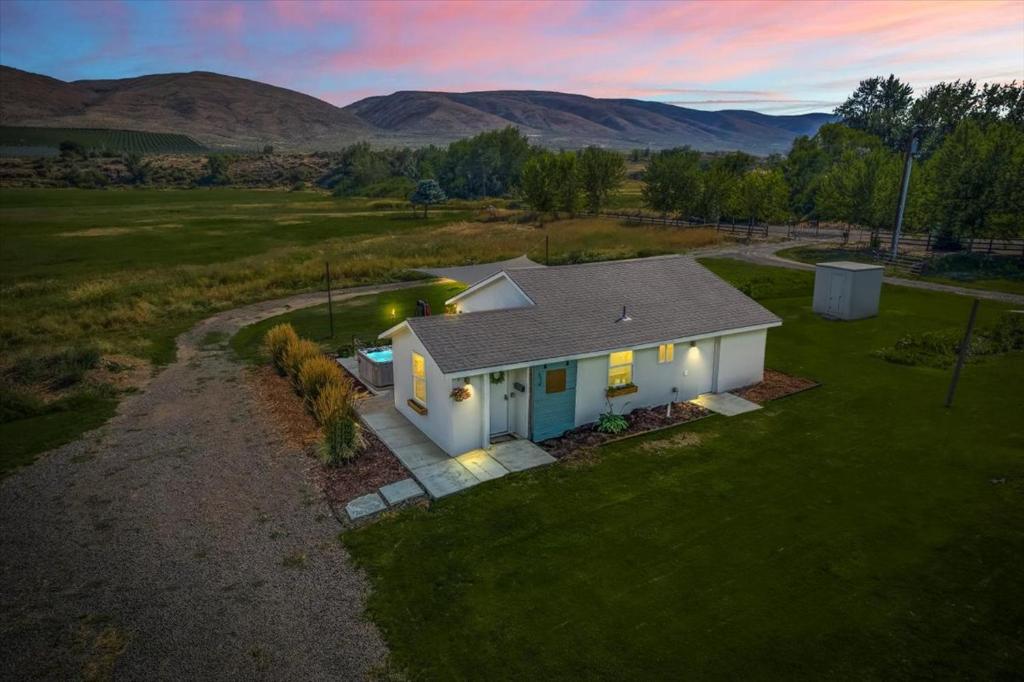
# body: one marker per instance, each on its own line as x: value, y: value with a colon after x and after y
x: 520, y: 455
x: 445, y: 478
x: 365, y: 506
x: 481, y: 465
x: 403, y: 490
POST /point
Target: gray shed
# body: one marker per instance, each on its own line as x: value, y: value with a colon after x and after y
x: 844, y: 290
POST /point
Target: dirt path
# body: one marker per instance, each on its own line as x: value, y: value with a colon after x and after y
x: 181, y: 540
x: 764, y: 253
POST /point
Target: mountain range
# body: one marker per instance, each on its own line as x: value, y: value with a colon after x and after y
x: 236, y: 113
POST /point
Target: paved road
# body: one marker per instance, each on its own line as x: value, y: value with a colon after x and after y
x: 765, y: 253
x: 182, y: 540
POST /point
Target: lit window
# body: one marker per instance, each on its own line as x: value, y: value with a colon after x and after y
x: 666, y: 352
x: 419, y: 379
x: 620, y: 368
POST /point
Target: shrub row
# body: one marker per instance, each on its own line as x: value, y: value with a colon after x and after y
x: 328, y: 393
x: 939, y: 348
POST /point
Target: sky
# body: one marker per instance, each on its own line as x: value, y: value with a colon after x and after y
x: 770, y: 56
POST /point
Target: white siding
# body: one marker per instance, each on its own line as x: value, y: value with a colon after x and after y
x: 467, y: 417
x: 519, y: 414
x: 437, y: 423
x: 741, y: 360
x: 498, y: 295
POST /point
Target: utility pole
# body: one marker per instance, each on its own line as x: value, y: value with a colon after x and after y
x: 330, y: 304
x: 961, y: 357
x: 907, y: 163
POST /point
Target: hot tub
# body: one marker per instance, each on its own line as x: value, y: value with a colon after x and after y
x: 375, y: 366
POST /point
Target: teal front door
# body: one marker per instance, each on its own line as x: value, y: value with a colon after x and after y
x: 552, y: 399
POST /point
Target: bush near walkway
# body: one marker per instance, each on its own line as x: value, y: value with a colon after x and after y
x: 327, y: 392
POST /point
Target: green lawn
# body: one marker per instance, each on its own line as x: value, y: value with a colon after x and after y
x: 971, y: 278
x: 849, y: 532
x: 364, y: 317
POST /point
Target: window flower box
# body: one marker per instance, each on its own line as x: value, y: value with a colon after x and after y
x: 416, y: 407
x: 625, y: 389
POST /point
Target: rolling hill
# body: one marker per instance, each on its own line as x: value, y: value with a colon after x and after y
x: 227, y: 112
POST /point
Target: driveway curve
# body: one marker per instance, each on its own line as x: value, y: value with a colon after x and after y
x: 181, y: 540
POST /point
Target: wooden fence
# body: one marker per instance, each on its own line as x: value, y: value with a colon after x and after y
x: 731, y: 228
x: 926, y: 243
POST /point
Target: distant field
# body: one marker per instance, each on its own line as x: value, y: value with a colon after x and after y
x: 16, y: 141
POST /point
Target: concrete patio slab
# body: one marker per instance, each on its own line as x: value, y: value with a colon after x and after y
x: 520, y: 455
x: 364, y: 506
x: 445, y: 478
x: 481, y: 465
x: 725, y: 404
x: 406, y: 489
x: 416, y: 455
x: 401, y: 435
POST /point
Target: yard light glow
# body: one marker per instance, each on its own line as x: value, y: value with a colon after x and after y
x: 392, y: 312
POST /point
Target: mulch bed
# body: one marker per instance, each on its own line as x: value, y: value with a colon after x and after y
x: 374, y: 467
x: 581, y: 440
x: 775, y: 385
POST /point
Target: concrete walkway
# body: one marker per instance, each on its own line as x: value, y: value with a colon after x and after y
x: 726, y: 404
x: 439, y: 474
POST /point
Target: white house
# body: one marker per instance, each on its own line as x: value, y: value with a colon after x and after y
x: 543, y: 350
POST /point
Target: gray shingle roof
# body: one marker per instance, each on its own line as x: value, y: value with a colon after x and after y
x: 577, y: 307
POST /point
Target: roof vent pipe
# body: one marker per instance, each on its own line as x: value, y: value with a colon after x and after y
x: 625, y: 316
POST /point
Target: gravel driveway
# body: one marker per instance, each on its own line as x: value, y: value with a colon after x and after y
x: 181, y: 540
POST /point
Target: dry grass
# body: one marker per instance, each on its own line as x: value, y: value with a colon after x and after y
x: 297, y: 353
x: 316, y: 375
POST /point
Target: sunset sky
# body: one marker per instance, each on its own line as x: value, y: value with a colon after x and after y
x: 776, y: 57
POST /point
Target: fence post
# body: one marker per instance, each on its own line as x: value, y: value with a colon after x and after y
x: 990, y: 246
x: 928, y: 244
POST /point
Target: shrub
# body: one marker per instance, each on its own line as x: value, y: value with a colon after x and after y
x: 609, y: 422
x: 57, y: 370
x: 342, y: 441
x: 334, y: 401
x: 315, y: 375
x: 19, y: 404
x: 295, y: 354
x: 276, y: 341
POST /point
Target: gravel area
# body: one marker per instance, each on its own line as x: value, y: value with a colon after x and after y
x: 184, y: 539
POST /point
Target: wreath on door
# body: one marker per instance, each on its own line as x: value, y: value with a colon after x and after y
x: 497, y: 377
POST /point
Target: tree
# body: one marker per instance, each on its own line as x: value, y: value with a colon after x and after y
x: 567, y: 183
x: 977, y: 181
x: 880, y: 106
x: 601, y: 172
x: 489, y: 164
x: 861, y: 188
x: 427, y: 192
x: 719, y: 181
x: 761, y: 196
x: 539, y: 182
x: 216, y: 170
x: 70, y: 149
x: 137, y: 169
x: 672, y: 181
x: 941, y: 109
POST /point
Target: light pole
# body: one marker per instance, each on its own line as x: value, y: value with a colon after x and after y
x: 907, y: 164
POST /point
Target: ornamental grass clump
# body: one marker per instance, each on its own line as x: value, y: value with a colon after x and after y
x: 277, y: 339
x: 315, y: 374
x: 343, y: 439
x: 295, y: 354
x: 335, y: 400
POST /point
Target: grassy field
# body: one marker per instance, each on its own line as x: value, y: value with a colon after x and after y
x: 364, y: 318
x: 856, y: 531
x: 127, y: 271
x: 1003, y: 273
x: 94, y: 138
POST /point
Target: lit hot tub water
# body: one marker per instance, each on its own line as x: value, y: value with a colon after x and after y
x: 382, y: 354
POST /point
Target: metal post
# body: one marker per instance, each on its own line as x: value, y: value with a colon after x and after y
x: 547, y: 251
x: 961, y: 357
x: 330, y: 304
x: 907, y: 163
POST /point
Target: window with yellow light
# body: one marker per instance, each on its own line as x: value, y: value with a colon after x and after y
x: 419, y: 379
x: 620, y: 368
x: 666, y: 352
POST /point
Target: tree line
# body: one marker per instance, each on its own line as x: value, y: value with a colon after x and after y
x: 967, y: 178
